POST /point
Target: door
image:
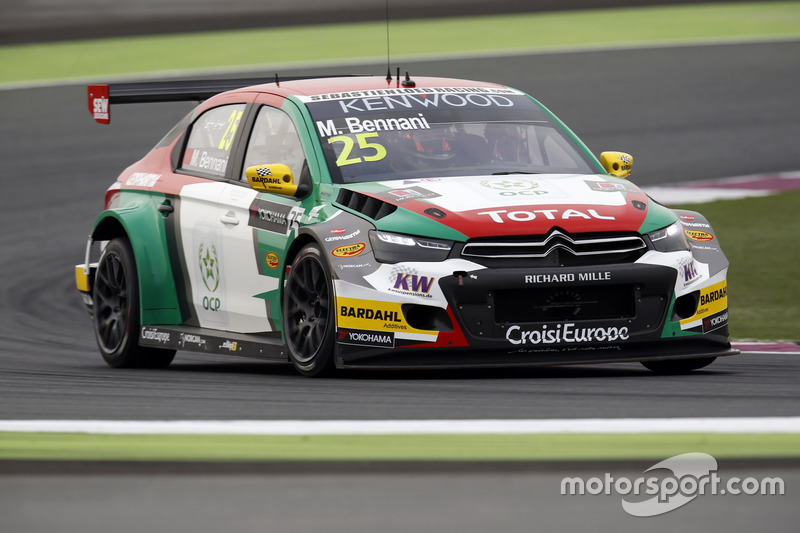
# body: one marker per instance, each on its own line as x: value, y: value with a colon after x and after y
x: 258, y: 228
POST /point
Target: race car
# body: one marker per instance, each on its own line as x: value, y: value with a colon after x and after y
x: 371, y: 222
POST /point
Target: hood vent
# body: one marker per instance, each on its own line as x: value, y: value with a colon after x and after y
x: 366, y: 205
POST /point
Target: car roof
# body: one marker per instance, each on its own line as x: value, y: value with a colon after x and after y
x: 315, y: 86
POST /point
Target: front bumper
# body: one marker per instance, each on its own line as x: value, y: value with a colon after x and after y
x: 532, y: 317
x: 84, y: 275
x: 510, y: 308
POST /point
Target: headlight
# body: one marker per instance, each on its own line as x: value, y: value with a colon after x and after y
x: 670, y: 239
x: 394, y: 247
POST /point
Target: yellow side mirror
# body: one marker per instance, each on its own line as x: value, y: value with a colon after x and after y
x: 276, y: 179
x: 617, y: 164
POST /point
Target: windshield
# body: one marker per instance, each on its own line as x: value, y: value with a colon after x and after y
x: 391, y: 134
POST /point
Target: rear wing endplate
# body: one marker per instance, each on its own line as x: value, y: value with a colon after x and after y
x: 103, y: 95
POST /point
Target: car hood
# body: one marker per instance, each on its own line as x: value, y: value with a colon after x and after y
x: 505, y: 205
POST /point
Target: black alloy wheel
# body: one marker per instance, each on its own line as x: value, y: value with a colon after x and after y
x: 308, y: 313
x: 115, y: 314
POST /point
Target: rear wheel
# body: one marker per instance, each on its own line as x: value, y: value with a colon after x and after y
x: 678, y: 366
x: 116, y: 311
x: 308, y: 313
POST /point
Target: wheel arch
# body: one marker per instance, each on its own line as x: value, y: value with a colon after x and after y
x: 303, y: 239
x: 706, y: 247
x: 108, y: 228
x: 147, y: 234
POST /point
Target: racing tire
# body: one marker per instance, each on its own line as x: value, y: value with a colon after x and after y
x: 678, y: 366
x: 308, y: 314
x: 115, y: 298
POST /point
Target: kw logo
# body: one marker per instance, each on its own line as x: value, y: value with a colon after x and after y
x: 414, y: 283
x: 689, y: 272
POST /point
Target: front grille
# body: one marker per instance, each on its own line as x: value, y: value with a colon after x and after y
x: 559, y: 248
x: 546, y: 304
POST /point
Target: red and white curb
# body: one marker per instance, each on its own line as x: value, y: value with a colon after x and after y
x: 737, y: 425
x: 695, y: 192
x: 782, y: 348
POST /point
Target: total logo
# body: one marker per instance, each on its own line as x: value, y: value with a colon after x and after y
x: 502, y: 215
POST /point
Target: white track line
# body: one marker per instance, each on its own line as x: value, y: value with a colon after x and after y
x: 410, y: 427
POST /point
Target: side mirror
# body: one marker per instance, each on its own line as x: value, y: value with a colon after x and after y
x: 276, y: 179
x: 617, y: 163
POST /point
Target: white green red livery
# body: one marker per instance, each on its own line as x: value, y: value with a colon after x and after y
x: 361, y: 222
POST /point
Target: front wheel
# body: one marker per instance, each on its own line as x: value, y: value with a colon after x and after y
x: 308, y: 307
x: 678, y: 366
x: 115, y: 317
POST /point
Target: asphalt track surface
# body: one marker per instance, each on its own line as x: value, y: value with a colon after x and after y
x: 480, y: 502
x: 686, y: 113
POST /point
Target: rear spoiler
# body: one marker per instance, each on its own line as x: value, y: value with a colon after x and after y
x: 102, y: 96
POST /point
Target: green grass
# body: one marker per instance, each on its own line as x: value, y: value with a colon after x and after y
x: 760, y: 238
x: 346, y: 42
x: 70, y: 446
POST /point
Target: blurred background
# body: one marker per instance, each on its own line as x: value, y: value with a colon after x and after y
x: 686, y: 112
x: 25, y: 21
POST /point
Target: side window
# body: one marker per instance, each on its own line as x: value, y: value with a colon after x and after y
x: 209, y: 146
x: 274, y: 140
x: 558, y: 153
